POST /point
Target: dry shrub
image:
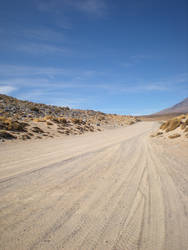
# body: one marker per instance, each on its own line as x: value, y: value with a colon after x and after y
x: 171, y: 124
x: 183, y: 126
x: 156, y: 134
x: 25, y: 137
x: 10, y: 124
x: 6, y: 135
x: 37, y: 130
x: 62, y: 120
x: 130, y: 122
x: 164, y: 125
x: 181, y: 117
x: 34, y: 108
x: 186, y: 122
x: 48, y: 117
x: 186, y: 130
x: 77, y: 121
x: 91, y: 129
x: 174, y: 136
x: 55, y: 119
x: 159, y: 133
x: 49, y: 123
x: 38, y: 120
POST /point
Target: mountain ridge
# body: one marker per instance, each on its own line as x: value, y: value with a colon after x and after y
x: 179, y: 108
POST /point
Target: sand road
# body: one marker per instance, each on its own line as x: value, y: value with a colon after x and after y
x: 118, y: 189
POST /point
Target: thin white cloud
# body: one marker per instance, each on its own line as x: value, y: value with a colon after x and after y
x: 135, y: 59
x: 44, y: 49
x: 43, y: 34
x: 61, y: 78
x: 31, y: 72
x: 36, y: 34
x: 6, y: 89
x: 95, y: 7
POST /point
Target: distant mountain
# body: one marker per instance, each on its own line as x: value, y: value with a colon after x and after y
x: 179, y: 108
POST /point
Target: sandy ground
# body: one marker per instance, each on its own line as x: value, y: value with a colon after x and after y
x: 118, y: 189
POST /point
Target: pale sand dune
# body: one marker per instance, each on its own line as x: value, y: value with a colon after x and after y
x: 118, y: 189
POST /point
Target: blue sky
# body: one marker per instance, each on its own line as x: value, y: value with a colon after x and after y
x: 126, y: 57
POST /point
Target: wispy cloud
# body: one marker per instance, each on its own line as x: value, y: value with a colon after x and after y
x: 43, y: 34
x: 42, y: 49
x: 136, y: 59
x: 46, y: 80
x: 8, y: 70
x: 95, y: 7
x: 39, y: 33
x: 6, y: 89
x: 37, y: 41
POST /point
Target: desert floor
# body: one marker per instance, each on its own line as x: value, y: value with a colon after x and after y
x: 117, y: 189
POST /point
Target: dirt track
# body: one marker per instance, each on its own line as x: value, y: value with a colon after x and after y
x: 118, y: 189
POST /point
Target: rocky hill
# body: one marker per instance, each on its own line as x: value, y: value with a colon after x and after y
x: 25, y: 120
x: 179, y: 108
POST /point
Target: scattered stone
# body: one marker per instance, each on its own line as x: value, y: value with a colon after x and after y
x: 17, y: 115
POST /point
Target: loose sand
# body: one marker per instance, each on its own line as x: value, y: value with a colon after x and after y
x: 117, y: 189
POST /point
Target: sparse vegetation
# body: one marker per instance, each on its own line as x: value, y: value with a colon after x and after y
x: 171, y: 124
x: 179, y: 124
x: 23, y: 116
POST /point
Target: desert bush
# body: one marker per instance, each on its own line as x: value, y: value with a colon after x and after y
x: 186, y: 122
x: 39, y: 119
x: 37, y: 130
x: 62, y: 120
x: 6, y: 135
x: 171, y: 124
x: 55, y: 119
x: 130, y: 122
x: 34, y: 108
x: 186, y: 130
x: 183, y: 126
x: 164, y: 125
x: 10, y: 124
x: 25, y: 137
x: 181, y: 117
x: 49, y: 123
x: 48, y: 117
x: 156, y: 134
x: 77, y: 121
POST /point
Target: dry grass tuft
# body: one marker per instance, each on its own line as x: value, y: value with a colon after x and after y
x: 11, y: 125
x: 6, y: 135
x: 49, y: 123
x: 77, y: 121
x: 186, y: 130
x: 171, y: 124
x: 174, y: 136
